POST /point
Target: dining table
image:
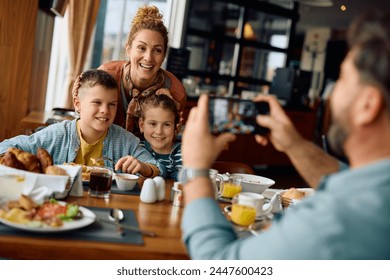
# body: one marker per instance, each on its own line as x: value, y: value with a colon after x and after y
x: 160, y: 217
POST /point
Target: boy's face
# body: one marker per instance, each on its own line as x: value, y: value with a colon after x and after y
x: 97, y: 107
x: 158, y: 127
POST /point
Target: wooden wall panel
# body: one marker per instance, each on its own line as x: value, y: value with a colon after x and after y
x: 41, y: 61
x: 17, y: 36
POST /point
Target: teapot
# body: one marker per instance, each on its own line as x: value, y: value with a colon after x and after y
x: 225, y: 185
x: 217, y: 181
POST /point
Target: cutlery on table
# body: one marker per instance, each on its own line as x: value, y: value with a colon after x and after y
x: 115, y: 212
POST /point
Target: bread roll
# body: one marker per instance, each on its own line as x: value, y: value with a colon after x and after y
x: 55, y: 170
x: 293, y: 193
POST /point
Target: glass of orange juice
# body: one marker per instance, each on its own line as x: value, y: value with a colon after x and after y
x: 244, y: 209
x: 232, y: 187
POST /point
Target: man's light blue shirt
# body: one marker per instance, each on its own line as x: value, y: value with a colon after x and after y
x: 347, y: 218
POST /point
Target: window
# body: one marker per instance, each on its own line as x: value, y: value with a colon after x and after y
x: 116, y: 19
x: 108, y: 42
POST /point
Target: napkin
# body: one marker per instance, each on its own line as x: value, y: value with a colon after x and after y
x: 14, y: 182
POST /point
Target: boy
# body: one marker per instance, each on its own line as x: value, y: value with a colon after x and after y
x: 93, y: 134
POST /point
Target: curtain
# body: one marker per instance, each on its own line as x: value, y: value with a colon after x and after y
x: 82, y: 19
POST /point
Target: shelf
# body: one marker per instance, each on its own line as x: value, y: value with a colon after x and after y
x: 238, y: 44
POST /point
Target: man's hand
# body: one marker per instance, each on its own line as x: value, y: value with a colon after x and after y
x: 283, y: 134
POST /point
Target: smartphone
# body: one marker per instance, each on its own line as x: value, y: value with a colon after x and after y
x: 235, y: 115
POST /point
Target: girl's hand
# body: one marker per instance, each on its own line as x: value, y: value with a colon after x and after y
x: 132, y: 165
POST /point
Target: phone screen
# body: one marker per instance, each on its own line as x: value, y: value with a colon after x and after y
x: 236, y: 115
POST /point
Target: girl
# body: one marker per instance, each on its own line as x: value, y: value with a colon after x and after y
x: 159, y: 124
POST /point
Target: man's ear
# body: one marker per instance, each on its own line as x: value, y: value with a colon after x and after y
x: 141, y: 125
x: 368, y: 106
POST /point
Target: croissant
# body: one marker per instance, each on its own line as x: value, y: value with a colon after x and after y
x: 10, y: 160
x: 44, y: 158
x: 30, y: 161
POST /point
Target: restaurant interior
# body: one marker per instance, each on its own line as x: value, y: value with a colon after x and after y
x: 230, y: 48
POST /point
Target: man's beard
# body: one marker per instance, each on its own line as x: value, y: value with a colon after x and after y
x: 337, y: 136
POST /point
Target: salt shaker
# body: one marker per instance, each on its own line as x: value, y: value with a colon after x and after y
x: 149, y: 191
x: 160, y: 187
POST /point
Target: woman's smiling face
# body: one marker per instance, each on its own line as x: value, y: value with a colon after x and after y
x: 147, y: 53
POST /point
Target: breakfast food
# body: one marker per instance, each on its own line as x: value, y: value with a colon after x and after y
x: 22, y: 160
x: 10, y: 160
x: 44, y: 158
x: 293, y: 193
x: 55, y: 170
x: 85, y: 170
x: 51, y: 213
x: 29, y: 161
x: 290, y: 195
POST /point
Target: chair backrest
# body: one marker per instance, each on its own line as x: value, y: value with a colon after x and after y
x: 232, y: 167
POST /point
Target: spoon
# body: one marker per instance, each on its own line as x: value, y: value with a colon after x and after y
x: 116, y: 215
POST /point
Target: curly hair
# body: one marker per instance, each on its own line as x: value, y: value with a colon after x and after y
x: 150, y: 18
x: 159, y: 101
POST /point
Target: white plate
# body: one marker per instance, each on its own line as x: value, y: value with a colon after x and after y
x: 88, y: 218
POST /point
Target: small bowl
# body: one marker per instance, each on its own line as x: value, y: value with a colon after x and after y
x: 126, y: 182
x: 254, y: 183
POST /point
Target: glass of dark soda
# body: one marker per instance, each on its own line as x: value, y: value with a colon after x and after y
x: 100, y: 182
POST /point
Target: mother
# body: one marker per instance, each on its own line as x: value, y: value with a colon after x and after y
x: 142, y: 74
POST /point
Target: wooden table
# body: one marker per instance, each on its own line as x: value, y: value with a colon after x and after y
x: 160, y: 217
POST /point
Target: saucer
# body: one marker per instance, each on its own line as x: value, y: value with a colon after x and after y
x: 225, y: 199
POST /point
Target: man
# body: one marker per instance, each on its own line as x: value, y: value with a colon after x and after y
x: 347, y: 218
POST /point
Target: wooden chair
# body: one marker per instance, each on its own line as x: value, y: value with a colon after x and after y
x: 232, y: 167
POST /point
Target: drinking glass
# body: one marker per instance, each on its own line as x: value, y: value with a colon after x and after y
x: 232, y: 187
x: 100, y: 182
x: 244, y: 209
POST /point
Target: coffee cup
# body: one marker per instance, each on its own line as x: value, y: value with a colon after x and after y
x: 262, y: 208
x: 177, y: 197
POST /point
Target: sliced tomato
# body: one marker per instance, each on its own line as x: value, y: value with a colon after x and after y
x: 50, y: 210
